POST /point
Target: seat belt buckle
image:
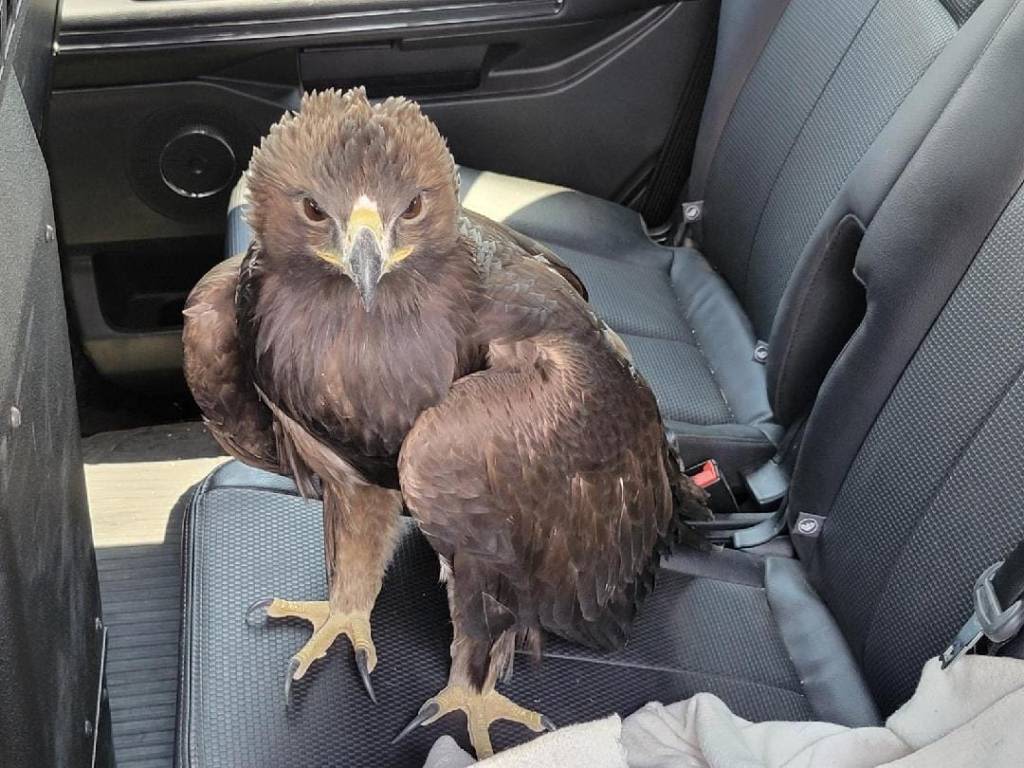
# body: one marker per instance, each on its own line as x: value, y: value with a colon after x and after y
x: 708, y: 475
x: 989, y: 620
x: 705, y: 474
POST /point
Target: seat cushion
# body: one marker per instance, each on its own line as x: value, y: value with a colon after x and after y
x: 723, y: 622
x: 686, y: 330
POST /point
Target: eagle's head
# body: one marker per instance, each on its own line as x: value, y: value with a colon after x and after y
x: 358, y: 190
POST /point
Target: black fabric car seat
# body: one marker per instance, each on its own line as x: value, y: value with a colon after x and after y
x: 911, y: 468
x: 800, y: 94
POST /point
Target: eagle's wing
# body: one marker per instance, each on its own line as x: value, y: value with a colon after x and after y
x: 548, y: 474
x: 217, y: 375
x: 529, y: 246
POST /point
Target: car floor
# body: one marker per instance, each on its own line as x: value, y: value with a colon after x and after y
x: 139, y: 482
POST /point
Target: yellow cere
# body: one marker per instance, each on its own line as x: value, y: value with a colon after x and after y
x: 365, y: 216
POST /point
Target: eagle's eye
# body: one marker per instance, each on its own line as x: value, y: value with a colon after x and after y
x: 414, y: 208
x: 313, y: 211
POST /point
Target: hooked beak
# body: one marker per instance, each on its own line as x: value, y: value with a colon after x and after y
x: 365, y: 257
x: 365, y: 262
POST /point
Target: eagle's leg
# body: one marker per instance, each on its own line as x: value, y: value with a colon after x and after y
x: 360, y: 531
x: 482, y: 649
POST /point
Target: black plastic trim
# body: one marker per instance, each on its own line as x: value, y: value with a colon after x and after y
x: 159, y: 24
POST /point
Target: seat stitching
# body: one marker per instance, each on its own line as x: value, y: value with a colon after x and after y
x: 796, y: 140
x: 888, y: 119
x: 721, y: 578
x: 614, y: 264
x: 193, y: 588
x: 715, y: 157
x: 256, y: 489
x: 623, y: 331
x: 188, y: 542
x: 697, y: 342
x: 798, y: 691
x: 727, y: 440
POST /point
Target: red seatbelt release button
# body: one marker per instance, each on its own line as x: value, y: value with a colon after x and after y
x: 705, y: 475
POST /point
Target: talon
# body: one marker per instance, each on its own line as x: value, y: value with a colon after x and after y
x: 327, y: 627
x: 427, y: 712
x: 362, y: 664
x: 481, y: 710
x: 256, y: 614
x: 293, y: 667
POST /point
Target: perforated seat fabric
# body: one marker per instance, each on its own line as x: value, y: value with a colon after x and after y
x: 248, y: 535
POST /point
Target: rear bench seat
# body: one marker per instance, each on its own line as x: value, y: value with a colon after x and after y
x: 911, y: 465
x: 790, y: 165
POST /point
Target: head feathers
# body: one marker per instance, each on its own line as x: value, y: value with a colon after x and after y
x: 338, y: 142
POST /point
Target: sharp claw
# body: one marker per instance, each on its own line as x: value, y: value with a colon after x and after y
x: 293, y: 667
x: 362, y: 664
x: 256, y: 614
x: 427, y: 711
x: 546, y: 724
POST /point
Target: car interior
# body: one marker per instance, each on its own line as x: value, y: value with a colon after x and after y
x: 804, y: 218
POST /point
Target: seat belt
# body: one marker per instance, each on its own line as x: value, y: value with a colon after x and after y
x: 998, y: 609
x: 672, y: 168
x: 769, y: 485
x: 762, y: 533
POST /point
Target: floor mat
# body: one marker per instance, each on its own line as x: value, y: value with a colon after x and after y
x: 139, y: 482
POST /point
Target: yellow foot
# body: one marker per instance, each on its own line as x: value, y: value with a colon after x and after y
x: 481, y: 710
x: 327, y: 626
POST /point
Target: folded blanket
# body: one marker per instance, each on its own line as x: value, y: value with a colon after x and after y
x: 963, y: 717
x: 595, y: 745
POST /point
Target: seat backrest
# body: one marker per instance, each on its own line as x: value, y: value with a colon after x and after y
x: 914, y: 452
x: 801, y: 91
x: 829, y: 77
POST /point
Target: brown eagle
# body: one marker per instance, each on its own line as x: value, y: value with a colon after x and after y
x: 381, y: 345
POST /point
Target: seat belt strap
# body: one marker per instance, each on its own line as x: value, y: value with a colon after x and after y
x: 998, y: 608
x: 768, y: 483
x: 761, y: 533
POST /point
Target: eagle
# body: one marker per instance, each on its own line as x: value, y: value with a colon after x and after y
x: 389, y: 350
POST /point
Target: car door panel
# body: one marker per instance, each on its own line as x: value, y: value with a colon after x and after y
x: 51, y: 636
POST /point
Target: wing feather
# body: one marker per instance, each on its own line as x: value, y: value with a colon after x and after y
x: 551, y: 466
x: 216, y: 372
x: 529, y: 247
